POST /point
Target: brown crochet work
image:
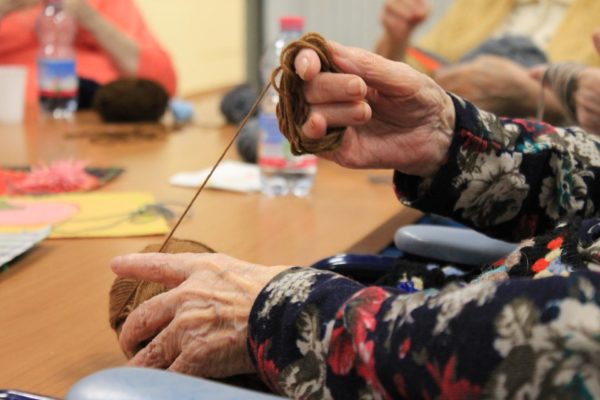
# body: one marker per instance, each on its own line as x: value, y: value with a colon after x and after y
x: 127, y: 294
x: 292, y: 109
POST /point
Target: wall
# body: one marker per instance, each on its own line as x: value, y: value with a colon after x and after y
x: 351, y: 22
x: 205, y: 40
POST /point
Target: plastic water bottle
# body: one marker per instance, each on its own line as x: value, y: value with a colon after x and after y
x: 281, y: 172
x: 57, y: 77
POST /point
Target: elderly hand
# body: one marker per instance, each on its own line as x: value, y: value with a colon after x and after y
x: 400, y: 17
x: 587, y: 100
x: 198, y: 327
x: 587, y: 96
x: 395, y: 116
x: 493, y: 83
x: 81, y: 11
x: 8, y: 6
x: 501, y: 86
x: 596, y: 39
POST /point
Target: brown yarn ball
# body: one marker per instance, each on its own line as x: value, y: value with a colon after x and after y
x: 131, y: 100
x: 126, y: 294
x: 292, y: 109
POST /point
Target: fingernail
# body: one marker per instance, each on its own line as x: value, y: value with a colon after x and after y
x: 355, y: 87
x: 309, y: 127
x: 303, y: 67
x: 115, y: 261
x: 365, y: 113
x: 312, y: 125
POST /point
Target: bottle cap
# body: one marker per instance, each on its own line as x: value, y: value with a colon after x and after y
x: 291, y: 23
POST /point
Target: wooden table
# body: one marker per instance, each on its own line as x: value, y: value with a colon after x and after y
x: 53, y: 301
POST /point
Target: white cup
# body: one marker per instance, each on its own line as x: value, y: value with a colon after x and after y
x: 13, y: 79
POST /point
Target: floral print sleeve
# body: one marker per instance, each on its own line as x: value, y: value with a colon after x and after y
x: 510, y: 178
x: 317, y: 335
x: 528, y: 327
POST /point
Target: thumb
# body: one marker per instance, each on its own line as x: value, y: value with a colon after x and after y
x: 537, y: 72
x: 168, y: 269
x: 596, y: 38
x: 378, y: 72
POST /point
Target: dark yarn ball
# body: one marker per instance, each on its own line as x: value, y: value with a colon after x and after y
x: 86, y: 92
x: 247, y: 141
x: 131, y: 100
x: 237, y: 103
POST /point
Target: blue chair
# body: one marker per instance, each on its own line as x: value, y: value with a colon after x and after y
x: 438, y: 240
x: 451, y: 244
x: 128, y: 383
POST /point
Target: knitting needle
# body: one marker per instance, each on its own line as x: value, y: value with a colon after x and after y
x: 237, y: 133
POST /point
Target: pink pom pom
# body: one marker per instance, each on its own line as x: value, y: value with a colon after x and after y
x: 58, y: 177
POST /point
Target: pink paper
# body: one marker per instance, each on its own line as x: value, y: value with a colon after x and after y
x: 34, y: 214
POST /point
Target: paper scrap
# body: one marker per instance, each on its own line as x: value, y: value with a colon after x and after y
x: 26, y: 213
x: 100, y: 214
x: 12, y: 245
x: 229, y: 175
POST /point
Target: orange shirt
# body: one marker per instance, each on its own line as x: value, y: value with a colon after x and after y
x: 19, y: 45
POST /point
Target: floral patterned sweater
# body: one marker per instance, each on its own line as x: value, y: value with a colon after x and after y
x: 528, y: 327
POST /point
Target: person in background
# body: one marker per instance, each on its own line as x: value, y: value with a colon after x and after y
x: 112, y: 41
x: 527, y: 327
x: 496, y: 84
x: 586, y: 97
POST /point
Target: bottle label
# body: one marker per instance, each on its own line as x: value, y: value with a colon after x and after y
x: 57, y: 78
x: 275, y: 151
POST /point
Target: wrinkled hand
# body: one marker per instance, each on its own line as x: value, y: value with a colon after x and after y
x: 400, y: 17
x: 587, y: 100
x: 395, y: 116
x: 596, y: 39
x: 199, y: 327
x: 493, y: 83
x: 587, y: 95
x: 8, y: 6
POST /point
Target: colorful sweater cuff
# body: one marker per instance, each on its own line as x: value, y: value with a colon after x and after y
x: 425, y: 194
x: 281, y: 315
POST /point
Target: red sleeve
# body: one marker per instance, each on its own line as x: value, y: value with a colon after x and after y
x: 154, y: 62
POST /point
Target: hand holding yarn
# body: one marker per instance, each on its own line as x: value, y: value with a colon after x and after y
x: 587, y: 97
x: 578, y: 89
x: 200, y: 325
x: 587, y: 100
x: 494, y: 84
x: 394, y: 116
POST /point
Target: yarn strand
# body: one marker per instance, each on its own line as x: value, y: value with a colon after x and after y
x: 292, y: 110
x: 214, y: 167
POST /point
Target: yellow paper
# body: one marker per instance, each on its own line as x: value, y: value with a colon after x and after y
x: 100, y: 214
